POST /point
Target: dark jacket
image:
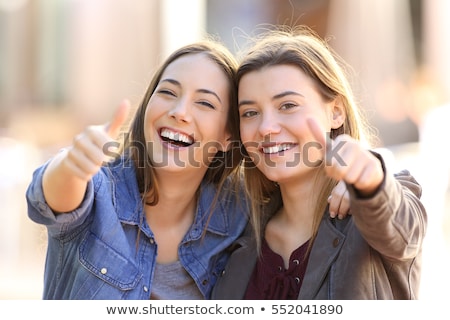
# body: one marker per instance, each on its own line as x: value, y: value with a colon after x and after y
x: 375, y: 253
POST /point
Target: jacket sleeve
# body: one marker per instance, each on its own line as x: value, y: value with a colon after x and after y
x: 393, y: 221
x: 39, y: 211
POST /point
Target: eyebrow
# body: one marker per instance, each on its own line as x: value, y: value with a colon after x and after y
x: 275, y: 97
x: 178, y: 84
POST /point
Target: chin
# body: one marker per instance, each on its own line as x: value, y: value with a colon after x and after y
x: 275, y: 176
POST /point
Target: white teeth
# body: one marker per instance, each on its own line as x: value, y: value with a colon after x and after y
x: 176, y: 136
x: 277, y: 148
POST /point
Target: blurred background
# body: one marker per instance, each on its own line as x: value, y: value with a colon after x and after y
x: 65, y: 64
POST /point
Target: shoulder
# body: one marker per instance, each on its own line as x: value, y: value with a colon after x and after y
x: 230, y: 194
x: 226, y: 207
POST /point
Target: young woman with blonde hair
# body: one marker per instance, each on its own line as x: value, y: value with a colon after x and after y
x: 302, y: 132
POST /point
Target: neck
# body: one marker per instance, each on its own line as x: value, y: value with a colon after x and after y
x: 300, y: 199
x: 177, y: 199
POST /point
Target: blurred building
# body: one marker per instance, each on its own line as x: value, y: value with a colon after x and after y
x: 67, y: 64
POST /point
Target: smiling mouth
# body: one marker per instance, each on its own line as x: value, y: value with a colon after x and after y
x: 176, y: 138
x: 277, y: 148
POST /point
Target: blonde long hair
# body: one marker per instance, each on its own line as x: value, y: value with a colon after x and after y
x: 303, y: 48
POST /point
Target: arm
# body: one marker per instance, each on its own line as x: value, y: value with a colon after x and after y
x: 393, y: 220
x: 66, y: 176
x: 386, y: 209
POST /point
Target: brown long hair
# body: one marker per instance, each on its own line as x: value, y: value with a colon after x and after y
x: 303, y: 48
x: 225, y: 165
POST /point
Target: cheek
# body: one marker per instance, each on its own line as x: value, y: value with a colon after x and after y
x: 246, y: 132
x: 248, y: 140
x: 212, y: 135
x: 148, y: 111
x: 149, y: 122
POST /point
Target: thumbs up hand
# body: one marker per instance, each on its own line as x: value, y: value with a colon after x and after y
x: 346, y: 159
x: 85, y: 157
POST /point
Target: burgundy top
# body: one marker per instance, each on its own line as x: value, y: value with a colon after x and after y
x: 271, y: 281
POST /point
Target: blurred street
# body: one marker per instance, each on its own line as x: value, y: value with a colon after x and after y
x: 67, y: 64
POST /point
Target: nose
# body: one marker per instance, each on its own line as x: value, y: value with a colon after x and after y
x: 180, y: 111
x: 269, y: 125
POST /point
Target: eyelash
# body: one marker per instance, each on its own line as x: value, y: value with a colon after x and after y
x: 288, y: 105
x: 285, y: 106
x: 248, y: 114
x: 168, y: 92
x: 203, y: 103
x: 207, y: 104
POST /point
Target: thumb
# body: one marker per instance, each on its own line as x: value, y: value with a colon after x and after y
x: 112, y: 128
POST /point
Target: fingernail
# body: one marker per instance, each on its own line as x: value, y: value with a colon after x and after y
x: 332, y: 214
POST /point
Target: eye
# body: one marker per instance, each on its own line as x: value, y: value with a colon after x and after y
x: 207, y: 104
x: 248, y: 114
x: 166, y: 92
x: 288, y: 105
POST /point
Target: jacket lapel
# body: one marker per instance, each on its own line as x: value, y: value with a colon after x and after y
x: 240, y: 268
x: 324, y: 252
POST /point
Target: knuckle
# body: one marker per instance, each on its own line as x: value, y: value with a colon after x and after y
x: 78, y: 139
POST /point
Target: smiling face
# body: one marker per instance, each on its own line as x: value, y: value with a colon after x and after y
x: 186, y: 116
x: 274, y: 104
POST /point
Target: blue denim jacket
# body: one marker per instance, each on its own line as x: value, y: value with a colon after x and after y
x: 96, y: 251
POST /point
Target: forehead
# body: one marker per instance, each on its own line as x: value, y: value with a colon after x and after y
x: 274, y: 78
x: 194, y: 65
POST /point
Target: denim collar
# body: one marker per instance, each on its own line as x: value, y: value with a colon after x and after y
x: 131, y: 211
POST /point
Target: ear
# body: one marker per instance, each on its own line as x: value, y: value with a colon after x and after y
x: 337, y: 113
